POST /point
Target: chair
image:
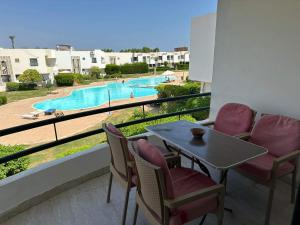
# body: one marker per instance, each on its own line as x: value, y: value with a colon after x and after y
x: 173, y: 196
x: 233, y: 119
x: 281, y: 136
x: 122, y: 164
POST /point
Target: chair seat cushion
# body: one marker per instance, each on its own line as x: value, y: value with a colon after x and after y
x: 261, y: 167
x: 186, y: 181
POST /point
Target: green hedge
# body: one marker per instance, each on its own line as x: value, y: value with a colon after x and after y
x: 128, y: 68
x: 14, y: 166
x: 112, y: 69
x: 166, y: 91
x: 3, y: 100
x: 64, y: 79
x: 182, y: 66
x: 14, y: 86
x: 133, y: 68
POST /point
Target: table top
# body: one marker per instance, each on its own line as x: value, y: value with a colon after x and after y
x: 216, y: 149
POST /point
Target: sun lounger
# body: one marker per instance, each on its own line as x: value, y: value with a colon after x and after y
x: 49, y: 111
x: 29, y: 116
x: 35, y: 113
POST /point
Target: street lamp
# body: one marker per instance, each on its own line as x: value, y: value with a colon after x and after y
x: 12, y: 39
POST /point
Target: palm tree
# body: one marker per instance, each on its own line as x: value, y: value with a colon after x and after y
x: 12, y: 39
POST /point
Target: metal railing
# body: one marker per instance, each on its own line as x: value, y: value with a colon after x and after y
x: 54, y: 121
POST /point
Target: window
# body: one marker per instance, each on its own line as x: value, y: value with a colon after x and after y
x: 17, y: 60
x: 33, y: 62
x: 159, y: 57
x: 94, y: 60
x: 168, y: 57
x: 102, y: 60
x: 83, y: 58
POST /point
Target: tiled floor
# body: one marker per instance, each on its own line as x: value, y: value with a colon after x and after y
x: 86, y: 205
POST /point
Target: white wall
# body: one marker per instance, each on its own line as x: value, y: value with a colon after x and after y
x: 202, y: 47
x: 25, y: 189
x: 24, y: 56
x: 257, y: 55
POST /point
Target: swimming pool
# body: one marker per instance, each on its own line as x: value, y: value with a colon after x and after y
x: 96, y: 96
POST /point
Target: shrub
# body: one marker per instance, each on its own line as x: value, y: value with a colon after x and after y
x: 112, y: 69
x: 12, y: 86
x: 182, y: 66
x: 64, y: 79
x: 14, y: 166
x: 116, y: 75
x: 78, y: 78
x: 27, y: 86
x: 140, y: 128
x: 95, y: 72
x: 3, y: 100
x: 134, y: 68
x: 165, y: 91
x: 30, y: 76
x: 197, y: 103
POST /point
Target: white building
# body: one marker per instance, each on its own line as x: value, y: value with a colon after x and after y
x: 49, y: 62
x: 13, y: 62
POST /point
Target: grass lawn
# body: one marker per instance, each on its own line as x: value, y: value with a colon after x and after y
x: 79, y: 145
x: 13, y: 96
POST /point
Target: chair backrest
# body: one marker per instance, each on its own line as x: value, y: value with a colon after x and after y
x: 234, y: 119
x: 154, y: 179
x: 118, y: 148
x: 279, y: 134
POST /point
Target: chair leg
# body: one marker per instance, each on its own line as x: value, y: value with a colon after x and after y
x: 203, y: 219
x: 109, y: 187
x: 220, y: 213
x: 135, y: 213
x: 125, y: 205
x: 294, y: 183
x: 269, y: 206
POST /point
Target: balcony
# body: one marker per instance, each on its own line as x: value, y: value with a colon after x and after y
x: 84, y: 201
x: 72, y: 190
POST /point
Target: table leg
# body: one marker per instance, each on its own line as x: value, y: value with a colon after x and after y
x: 223, y: 180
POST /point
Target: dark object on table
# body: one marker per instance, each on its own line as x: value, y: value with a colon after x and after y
x: 198, y: 132
x: 50, y: 111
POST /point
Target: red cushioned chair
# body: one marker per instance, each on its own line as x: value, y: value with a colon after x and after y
x: 233, y: 119
x: 122, y: 164
x: 281, y: 136
x: 173, y: 196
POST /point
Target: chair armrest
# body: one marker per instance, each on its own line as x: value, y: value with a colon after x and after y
x: 173, y: 159
x: 243, y: 136
x: 209, y: 123
x: 193, y: 196
x: 286, y: 158
x: 137, y: 138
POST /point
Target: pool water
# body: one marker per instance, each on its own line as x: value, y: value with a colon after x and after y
x: 96, y: 96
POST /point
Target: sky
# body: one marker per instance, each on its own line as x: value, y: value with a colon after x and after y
x: 98, y: 24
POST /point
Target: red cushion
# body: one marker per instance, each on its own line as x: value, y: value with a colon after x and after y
x: 111, y: 128
x: 186, y: 181
x: 152, y: 154
x: 261, y: 167
x: 279, y: 134
x: 234, y: 118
